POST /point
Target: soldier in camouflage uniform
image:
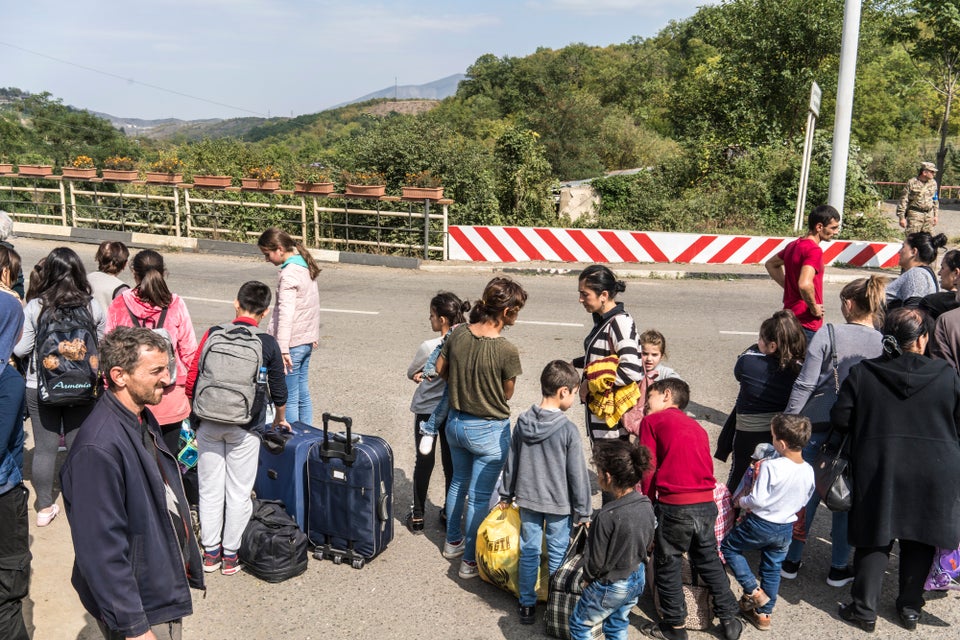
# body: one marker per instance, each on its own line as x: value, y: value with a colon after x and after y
x: 919, y: 206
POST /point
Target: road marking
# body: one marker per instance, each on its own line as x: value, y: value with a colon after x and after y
x: 550, y: 324
x: 738, y: 333
x: 214, y: 300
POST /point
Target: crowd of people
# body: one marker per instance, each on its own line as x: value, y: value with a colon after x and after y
x: 802, y: 384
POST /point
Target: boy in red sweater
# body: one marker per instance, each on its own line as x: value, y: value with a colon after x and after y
x: 681, y: 485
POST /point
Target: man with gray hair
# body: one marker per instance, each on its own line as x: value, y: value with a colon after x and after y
x: 919, y: 206
x: 136, y: 556
x: 6, y: 232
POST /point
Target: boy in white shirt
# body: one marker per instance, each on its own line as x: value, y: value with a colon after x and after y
x: 782, y: 487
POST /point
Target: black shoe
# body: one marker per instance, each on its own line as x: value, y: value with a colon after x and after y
x: 839, y: 577
x: 789, y: 569
x: 663, y: 631
x: 414, y: 524
x: 909, y: 618
x: 732, y: 628
x: 443, y: 516
x: 847, y: 613
x: 528, y: 615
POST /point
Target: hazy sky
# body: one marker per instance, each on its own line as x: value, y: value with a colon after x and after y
x: 231, y: 58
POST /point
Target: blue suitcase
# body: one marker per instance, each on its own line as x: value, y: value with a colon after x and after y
x: 351, y: 495
x: 282, y: 468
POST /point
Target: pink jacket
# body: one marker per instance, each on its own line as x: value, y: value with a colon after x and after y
x: 296, y: 315
x: 174, y: 406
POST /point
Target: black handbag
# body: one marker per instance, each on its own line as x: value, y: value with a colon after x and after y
x: 817, y: 408
x: 831, y: 470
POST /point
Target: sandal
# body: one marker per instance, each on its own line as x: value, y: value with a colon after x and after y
x: 414, y: 524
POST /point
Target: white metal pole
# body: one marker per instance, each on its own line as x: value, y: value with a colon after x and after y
x: 844, y: 112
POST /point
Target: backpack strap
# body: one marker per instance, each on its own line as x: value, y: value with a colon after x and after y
x: 163, y: 316
x: 936, y: 281
x: 134, y: 319
x: 119, y: 290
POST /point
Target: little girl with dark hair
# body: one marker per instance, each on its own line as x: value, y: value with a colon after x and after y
x: 621, y: 533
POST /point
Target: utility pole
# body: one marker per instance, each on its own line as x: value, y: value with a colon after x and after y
x: 844, y: 112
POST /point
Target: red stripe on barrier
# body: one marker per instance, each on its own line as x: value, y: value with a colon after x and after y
x: 864, y: 256
x: 765, y: 248
x: 652, y: 250
x: 493, y: 243
x: 728, y: 250
x: 554, y: 243
x: 581, y: 239
x: 892, y: 262
x: 525, y: 245
x: 835, y: 249
x: 617, y: 245
x: 458, y: 236
x: 694, y: 250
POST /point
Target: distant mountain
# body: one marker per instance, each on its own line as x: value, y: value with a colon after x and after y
x: 436, y: 90
x: 238, y: 127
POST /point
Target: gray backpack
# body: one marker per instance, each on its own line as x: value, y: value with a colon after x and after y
x: 227, y: 389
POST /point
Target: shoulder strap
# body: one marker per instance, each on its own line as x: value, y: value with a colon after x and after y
x: 834, y: 360
x: 936, y: 281
x: 134, y: 319
x: 163, y: 316
x: 600, y: 329
x: 119, y: 290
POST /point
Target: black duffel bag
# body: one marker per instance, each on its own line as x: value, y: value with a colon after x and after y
x: 273, y: 548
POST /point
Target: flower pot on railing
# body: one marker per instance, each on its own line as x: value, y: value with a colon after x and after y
x: 120, y: 175
x: 212, y: 182
x: 6, y: 167
x: 366, y: 190
x: 162, y: 177
x: 256, y: 184
x: 74, y: 173
x: 39, y: 170
x: 314, y: 188
x: 422, y: 193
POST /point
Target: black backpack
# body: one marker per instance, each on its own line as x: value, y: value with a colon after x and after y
x: 273, y: 548
x: 66, y: 356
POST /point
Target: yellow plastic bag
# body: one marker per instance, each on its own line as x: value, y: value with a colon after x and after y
x: 498, y: 552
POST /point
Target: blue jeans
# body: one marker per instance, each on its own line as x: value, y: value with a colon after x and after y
x: 607, y: 603
x: 299, y: 405
x: 532, y: 527
x: 478, y: 447
x: 772, y: 540
x: 840, y: 553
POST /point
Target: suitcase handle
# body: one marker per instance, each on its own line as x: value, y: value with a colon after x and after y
x: 326, y: 450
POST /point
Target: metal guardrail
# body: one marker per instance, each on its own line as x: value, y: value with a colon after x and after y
x: 893, y: 191
x: 388, y: 225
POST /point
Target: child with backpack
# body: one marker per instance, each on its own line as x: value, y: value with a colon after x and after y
x: 236, y: 368
x: 546, y: 474
x: 681, y: 484
x: 782, y: 487
x: 621, y: 533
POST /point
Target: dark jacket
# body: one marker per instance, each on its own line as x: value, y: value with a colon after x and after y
x: 618, y: 539
x: 903, y: 416
x: 130, y: 570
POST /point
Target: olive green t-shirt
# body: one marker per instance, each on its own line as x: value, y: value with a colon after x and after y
x: 477, y: 368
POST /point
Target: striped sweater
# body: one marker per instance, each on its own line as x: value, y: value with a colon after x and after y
x: 613, y: 333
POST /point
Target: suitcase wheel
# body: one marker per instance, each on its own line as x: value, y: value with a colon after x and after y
x: 337, y: 558
x: 318, y: 555
x: 357, y: 563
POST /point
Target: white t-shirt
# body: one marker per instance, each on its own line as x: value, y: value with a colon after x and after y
x: 781, y: 489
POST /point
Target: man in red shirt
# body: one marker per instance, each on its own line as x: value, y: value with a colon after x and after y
x: 681, y: 484
x: 799, y: 269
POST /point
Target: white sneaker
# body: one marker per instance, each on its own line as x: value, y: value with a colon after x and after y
x: 46, y: 517
x: 468, y: 570
x: 451, y: 551
x: 426, y: 445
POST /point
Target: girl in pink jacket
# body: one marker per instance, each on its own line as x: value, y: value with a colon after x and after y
x: 143, y: 306
x: 295, y: 322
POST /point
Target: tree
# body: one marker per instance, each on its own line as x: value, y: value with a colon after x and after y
x: 930, y: 31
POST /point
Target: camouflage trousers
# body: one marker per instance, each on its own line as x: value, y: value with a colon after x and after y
x: 918, y: 221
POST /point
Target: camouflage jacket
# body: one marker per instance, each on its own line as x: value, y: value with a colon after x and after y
x: 919, y: 196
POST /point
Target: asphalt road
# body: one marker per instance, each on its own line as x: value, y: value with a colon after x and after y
x: 373, y: 321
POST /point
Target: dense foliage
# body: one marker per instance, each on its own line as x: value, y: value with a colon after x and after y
x: 712, y: 109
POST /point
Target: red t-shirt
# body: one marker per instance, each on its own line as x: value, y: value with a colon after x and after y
x: 796, y: 255
x: 681, y: 466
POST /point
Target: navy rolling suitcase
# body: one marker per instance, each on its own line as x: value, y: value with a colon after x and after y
x: 350, y: 495
x: 282, y: 468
